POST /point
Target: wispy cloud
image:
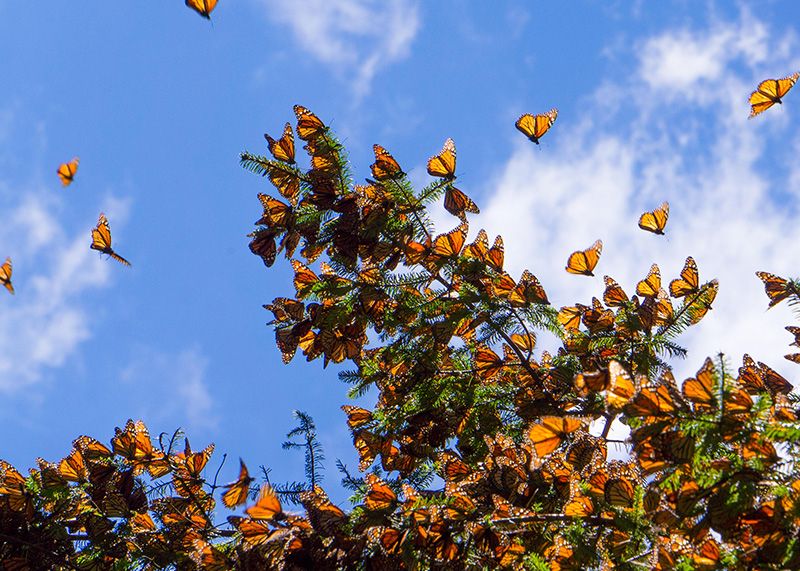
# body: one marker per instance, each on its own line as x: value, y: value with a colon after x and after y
x: 175, y: 385
x: 49, y: 317
x: 357, y: 37
x: 677, y: 130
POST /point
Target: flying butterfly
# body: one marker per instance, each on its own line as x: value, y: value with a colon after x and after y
x: 535, y: 126
x: 5, y: 275
x: 769, y: 92
x: 548, y: 434
x: 701, y: 388
x: 385, y: 165
x: 583, y: 262
x: 688, y: 282
x: 656, y: 220
x: 236, y: 493
x: 457, y: 203
x: 101, y: 240
x: 309, y: 125
x: 777, y: 288
x: 66, y: 171
x: 267, y: 507
x: 444, y: 164
x: 283, y: 148
x: 202, y: 7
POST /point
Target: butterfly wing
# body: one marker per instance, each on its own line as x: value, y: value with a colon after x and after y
x: 457, y: 203
x: 444, y: 164
x: 202, y: 7
x: 283, y: 148
x: 385, y: 165
x: 5, y: 275
x: 101, y: 240
x: 66, y: 171
x: 651, y: 285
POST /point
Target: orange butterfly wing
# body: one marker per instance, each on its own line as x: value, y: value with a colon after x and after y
x: 66, y: 171
x: 548, y: 434
x: 5, y: 275
x: 444, y: 164
x: 202, y: 7
x: 457, y: 203
x: 267, y: 507
x: 236, y: 493
x: 651, y: 285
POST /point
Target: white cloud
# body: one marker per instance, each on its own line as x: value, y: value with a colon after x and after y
x: 46, y: 321
x: 358, y: 37
x: 175, y: 385
x: 718, y: 170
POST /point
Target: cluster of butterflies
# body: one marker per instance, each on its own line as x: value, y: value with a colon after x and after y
x: 101, y: 234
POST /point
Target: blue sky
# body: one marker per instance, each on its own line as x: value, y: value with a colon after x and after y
x: 158, y: 103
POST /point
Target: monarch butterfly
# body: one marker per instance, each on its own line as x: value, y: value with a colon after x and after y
x: 356, y: 416
x: 254, y: 532
x: 283, y: 148
x: 621, y: 387
x: 308, y: 124
x: 548, y: 434
x: 101, y: 240
x: 535, y: 126
x: 389, y: 539
x: 487, y: 363
x: 379, y: 496
x: 651, y: 285
x: 444, y: 164
x: 597, y: 318
x: 656, y: 220
x: 777, y: 288
x: 614, y: 295
x: 688, y: 282
x: 457, y: 203
x: 202, y: 7
x: 619, y: 492
x: 584, y: 261
x: 774, y: 382
x: 570, y: 317
x: 324, y: 516
x: 236, y: 493
x: 267, y: 506
x: 385, y: 165
x: 529, y: 289
x: 5, y: 275
x: 134, y: 445
x: 73, y: 468
x: 769, y: 92
x: 796, y: 332
x: 449, y: 244
x: 452, y: 468
x: 190, y: 463
x: 700, y: 389
x: 66, y: 171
